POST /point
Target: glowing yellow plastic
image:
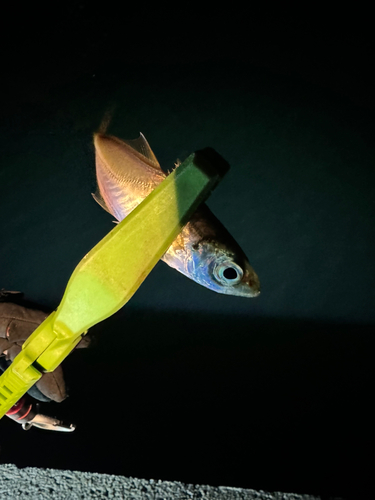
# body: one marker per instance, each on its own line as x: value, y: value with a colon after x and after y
x: 111, y: 272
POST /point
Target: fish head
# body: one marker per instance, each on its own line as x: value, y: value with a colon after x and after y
x: 223, y: 269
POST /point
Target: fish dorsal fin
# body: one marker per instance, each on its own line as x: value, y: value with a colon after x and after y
x: 142, y: 149
x: 99, y: 200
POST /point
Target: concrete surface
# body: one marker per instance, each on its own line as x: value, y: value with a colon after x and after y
x: 31, y: 482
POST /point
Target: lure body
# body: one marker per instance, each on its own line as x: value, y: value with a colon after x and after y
x: 204, y: 250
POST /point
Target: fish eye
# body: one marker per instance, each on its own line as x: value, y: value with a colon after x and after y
x: 228, y: 273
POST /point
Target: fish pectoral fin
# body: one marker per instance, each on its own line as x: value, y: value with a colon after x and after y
x: 100, y: 201
x: 142, y: 147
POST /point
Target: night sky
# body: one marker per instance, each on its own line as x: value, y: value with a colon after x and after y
x: 272, y: 393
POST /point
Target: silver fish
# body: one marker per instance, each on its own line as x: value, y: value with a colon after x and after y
x: 204, y: 250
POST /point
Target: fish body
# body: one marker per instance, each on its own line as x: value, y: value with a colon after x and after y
x: 204, y: 250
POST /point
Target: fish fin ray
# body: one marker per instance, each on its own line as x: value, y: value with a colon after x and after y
x: 142, y: 147
x: 107, y: 118
x: 100, y: 200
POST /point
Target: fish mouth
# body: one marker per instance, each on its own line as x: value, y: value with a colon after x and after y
x: 255, y: 292
x: 252, y: 292
x: 244, y: 290
x: 250, y: 285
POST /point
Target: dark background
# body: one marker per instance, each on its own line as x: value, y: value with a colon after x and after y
x: 273, y: 393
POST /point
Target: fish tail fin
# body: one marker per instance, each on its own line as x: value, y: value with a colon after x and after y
x: 107, y: 118
x: 100, y: 201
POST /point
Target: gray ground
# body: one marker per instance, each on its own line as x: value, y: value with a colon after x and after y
x: 31, y: 482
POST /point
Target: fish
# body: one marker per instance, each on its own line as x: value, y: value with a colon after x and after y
x: 204, y: 251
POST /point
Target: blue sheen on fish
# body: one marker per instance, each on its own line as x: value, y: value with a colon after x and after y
x: 204, y: 251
